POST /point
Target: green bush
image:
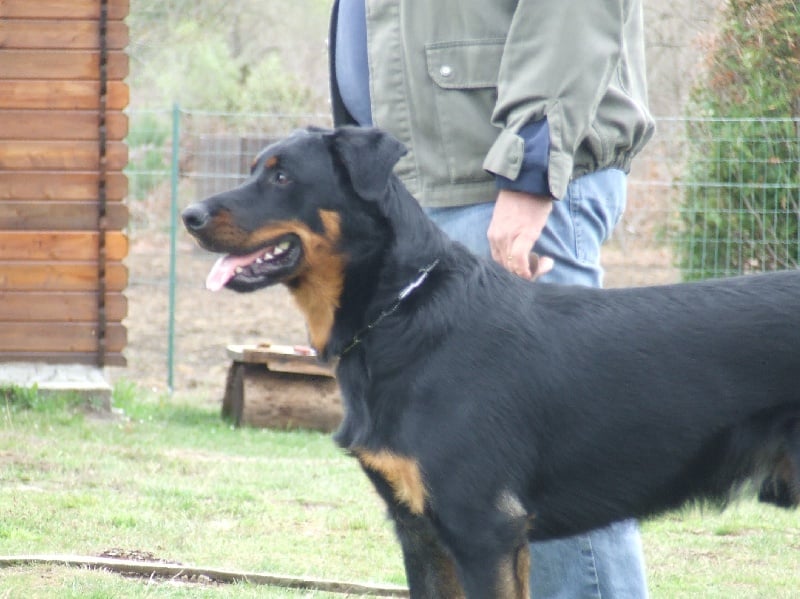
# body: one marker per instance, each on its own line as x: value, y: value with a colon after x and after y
x: 268, y: 87
x: 245, y: 56
x: 742, y: 188
x: 149, y: 148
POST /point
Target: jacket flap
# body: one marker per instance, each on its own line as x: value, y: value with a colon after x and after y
x: 466, y: 64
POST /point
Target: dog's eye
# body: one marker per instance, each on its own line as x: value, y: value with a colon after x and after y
x: 280, y: 178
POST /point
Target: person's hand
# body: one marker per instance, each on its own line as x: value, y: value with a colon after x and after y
x: 517, y: 223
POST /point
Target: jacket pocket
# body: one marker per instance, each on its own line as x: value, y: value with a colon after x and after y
x: 465, y: 74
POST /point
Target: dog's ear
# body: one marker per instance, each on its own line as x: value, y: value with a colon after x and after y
x: 369, y: 155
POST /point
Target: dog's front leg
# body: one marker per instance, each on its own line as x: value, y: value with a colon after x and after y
x: 500, y: 576
x: 489, y: 545
x: 430, y: 569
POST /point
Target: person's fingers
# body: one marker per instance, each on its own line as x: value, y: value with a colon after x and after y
x: 500, y: 249
x: 540, y: 265
x: 517, y: 221
x: 519, y: 256
x: 500, y: 242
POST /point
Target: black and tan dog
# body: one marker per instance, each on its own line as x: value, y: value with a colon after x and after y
x: 488, y: 410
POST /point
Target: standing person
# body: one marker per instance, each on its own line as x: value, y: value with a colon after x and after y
x: 521, y: 118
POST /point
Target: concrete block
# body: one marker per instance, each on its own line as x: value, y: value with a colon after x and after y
x: 83, y: 380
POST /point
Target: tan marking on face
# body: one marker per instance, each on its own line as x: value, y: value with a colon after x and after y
x: 332, y: 223
x: 318, y: 281
x: 320, y: 285
x: 271, y: 162
x: 227, y: 232
x: 402, y: 473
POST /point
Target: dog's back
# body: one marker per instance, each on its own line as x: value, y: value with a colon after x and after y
x: 635, y: 400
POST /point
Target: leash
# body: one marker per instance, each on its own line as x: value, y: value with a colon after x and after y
x: 404, y: 293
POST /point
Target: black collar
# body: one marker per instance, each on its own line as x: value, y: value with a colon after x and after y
x: 404, y: 293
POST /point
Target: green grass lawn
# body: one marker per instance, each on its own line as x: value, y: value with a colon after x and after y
x: 168, y: 477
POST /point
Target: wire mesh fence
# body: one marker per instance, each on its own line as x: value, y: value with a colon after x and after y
x: 707, y: 197
x: 711, y: 198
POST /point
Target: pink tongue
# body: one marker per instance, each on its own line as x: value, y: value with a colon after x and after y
x: 224, y: 269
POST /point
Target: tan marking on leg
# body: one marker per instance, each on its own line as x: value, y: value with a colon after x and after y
x: 403, y: 475
x: 513, y: 574
x: 447, y: 581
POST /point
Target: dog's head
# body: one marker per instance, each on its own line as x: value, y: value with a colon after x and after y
x: 288, y: 214
x: 311, y: 208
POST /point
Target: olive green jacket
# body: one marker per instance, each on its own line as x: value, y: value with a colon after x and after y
x: 455, y: 80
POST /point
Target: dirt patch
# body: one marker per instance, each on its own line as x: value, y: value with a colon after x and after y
x: 135, y: 555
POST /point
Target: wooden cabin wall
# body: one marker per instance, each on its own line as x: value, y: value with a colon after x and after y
x: 50, y: 174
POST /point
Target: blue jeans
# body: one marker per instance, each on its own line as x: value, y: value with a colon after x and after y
x: 607, y: 562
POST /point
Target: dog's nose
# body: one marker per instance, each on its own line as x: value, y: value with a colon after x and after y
x: 195, y: 217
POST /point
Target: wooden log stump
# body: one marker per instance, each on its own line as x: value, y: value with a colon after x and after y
x: 281, y: 387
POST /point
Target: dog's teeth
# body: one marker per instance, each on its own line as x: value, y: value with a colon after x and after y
x: 259, y: 260
x: 284, y: 246
x: 239, y: 270
x: 278, y: 251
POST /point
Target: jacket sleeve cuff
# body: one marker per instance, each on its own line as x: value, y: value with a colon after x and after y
x: 532, y: 175
x: 520, y: 161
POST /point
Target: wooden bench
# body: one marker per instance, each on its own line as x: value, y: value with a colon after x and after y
x: 282, y: 387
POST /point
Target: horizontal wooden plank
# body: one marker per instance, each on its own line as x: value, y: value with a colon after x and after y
x: 59, y: 216
x: 60, y: 125
x: 59, y: 336
x: 61, y: 95
x: 57, y: 155
x: 60, y: 186
x: 111, y: 358
x: 55, y: 276
x: 280, y: 358
x: 60, y: 64
x: 35, y: 306
x: 62, y: 9
x: 60, y: 34
x: 60, y: 246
